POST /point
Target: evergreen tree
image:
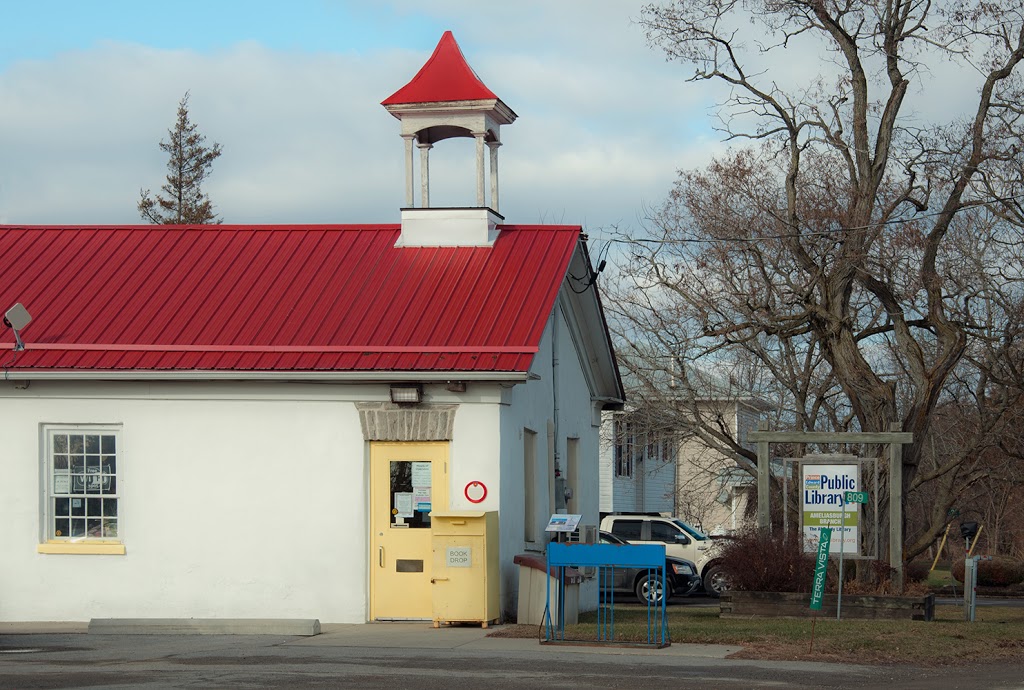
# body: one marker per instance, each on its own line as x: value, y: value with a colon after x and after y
x: 182, y: 200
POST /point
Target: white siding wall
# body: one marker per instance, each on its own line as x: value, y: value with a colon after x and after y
x: 651, y: 488
x: 531, y: 406
x: 704, y: 496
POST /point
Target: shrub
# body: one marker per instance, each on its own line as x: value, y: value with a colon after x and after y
x: 758, y: 562
x: 917, y: 571
x: 1000, y: 571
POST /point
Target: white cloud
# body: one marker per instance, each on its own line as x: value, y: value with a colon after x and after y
x: 305, y: 139
x: 604, y: 122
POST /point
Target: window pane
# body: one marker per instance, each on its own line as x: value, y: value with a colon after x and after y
x: 61, y: 483
x: 661, y: 531
x: 410, y: 494
x: 93, y: 480
x: 82, y: 490
x: 627, y: 529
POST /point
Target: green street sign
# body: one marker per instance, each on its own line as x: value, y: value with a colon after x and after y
x: 856, y: 497
x: 818, y: 587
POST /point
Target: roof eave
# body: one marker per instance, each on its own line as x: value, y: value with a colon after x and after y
x: 382, y: 376
x: 495, y: 106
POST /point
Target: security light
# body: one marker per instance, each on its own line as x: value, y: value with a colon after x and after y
x: 406, y: 393
x: 16, y: 318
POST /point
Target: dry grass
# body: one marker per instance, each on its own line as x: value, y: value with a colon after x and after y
x: 997, y: 635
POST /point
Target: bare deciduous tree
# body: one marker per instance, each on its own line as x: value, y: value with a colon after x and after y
x: 854, y: 263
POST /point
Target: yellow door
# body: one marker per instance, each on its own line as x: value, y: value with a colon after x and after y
x: 407, y: 481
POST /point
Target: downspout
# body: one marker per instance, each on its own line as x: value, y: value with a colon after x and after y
x: 558, y: 479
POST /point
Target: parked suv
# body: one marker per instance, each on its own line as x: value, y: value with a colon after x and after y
x: 680, y: 540
x: 680, y: 576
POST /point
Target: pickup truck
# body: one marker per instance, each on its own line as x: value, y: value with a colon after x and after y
x: 680, y: 540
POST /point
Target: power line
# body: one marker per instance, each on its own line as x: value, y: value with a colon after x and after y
x: 808, y: 233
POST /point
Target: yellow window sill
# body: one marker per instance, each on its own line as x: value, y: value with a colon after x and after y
x: 102, y: 548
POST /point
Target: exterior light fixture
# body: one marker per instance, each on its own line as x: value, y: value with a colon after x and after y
x: 406, y: 393
x: 16, y: 318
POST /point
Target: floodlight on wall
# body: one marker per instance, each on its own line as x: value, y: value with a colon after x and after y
x: 16, y: 318
x: 406, y: 393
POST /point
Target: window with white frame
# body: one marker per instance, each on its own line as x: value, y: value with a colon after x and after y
x: 82, y: 470
x: 624, y: 441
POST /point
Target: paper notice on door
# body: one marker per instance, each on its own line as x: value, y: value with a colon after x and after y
x: 421, y: 499
x: 403, y: 504
x: 421, y: 475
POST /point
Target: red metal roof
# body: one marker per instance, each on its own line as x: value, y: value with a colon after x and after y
x: 446, y: 76
x: 278, y: 298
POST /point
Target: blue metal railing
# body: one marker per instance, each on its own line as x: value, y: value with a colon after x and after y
x: 606, y: 558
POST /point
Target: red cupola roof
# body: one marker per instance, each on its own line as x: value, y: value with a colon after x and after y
x: 446, y: 76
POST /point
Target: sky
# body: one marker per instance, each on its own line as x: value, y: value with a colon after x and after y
x: 292, y: 91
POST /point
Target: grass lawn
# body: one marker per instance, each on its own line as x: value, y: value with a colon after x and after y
x: 996, y: 635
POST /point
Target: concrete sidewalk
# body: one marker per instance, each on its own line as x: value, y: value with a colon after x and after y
x: 423, y: 635
x: 416, y: 635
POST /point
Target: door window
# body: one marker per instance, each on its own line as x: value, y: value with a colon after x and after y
x: 410, y: 494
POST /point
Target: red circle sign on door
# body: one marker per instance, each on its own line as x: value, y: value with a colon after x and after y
x: 476, y: 492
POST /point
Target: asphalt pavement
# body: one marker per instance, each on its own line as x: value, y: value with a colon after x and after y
x: 390, y: 655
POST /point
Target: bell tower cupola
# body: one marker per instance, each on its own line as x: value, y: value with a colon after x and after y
x: 447, y: 99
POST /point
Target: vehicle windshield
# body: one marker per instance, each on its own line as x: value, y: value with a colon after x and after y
x: 692, y: 531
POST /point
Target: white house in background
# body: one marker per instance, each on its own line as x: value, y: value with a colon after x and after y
x: 638, y: 465
x: 646, y: 467
x: 257, y: 421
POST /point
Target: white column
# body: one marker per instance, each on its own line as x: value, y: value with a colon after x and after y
x: 494, y: 174
x: 479, y: 167
x: 408, y: 169
x: 425, y: 174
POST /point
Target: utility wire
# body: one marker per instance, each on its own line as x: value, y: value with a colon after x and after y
x: 809, y: 233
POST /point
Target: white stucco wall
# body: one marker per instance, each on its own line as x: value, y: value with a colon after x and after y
x: 237, y: 500
x: 242, y: 500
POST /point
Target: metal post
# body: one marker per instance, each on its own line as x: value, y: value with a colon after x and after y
x: 842, y: 550
x: 970, y: 587
x: 763, y: 470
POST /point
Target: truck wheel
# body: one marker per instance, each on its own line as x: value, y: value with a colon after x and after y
x: 649, y: 590
x: 716, y: 581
